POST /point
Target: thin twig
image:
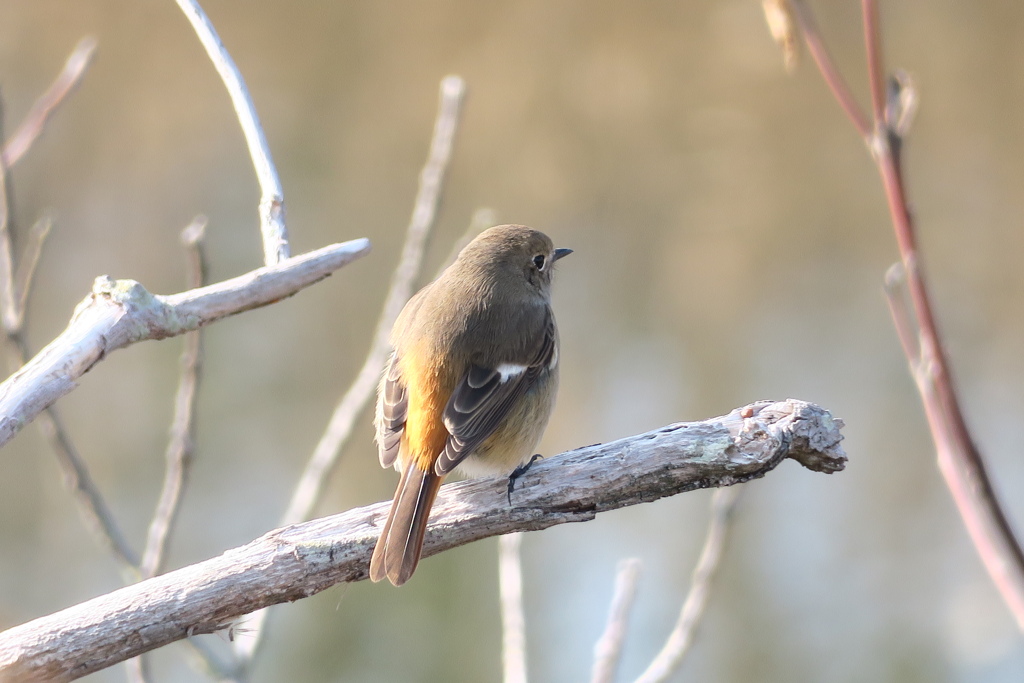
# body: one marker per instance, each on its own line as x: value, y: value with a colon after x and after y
x: 608, y: 649
x: 483, y: 218
x: 271, y: 206
x: 136, y: 669
x: 873, y: 48
x: 325, y: 456
x: 30, y: 129
x: 310, y: 486
x: 209, y: 661
x: 181, y: 446
x: 959, y: 459
x: 513, y: 618
x: 91, y: 504
x: 679, y: 641
x: 8, y: 298
x: 836, y: 83
x: 896, y: 295
x: 783, y: 27
x: 299, y: 561
x: 28, y: 264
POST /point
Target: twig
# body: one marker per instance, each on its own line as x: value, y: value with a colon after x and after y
x: 8, y: 298
x: 30, y: 129
x: 13, y: 303
x: 895, y: 294
x: 28, y: 264
x: 608, y: 649
x: 298, y: 561
x: 181, y: 447
x: 137, y: 669
x: 271, y: 206
x: 834, y: 79
x: 667, y: 661
x: 325, y: 456
x: 873, y: 48
x: 483, y: 218
x: 182, y: 442
x: 310, y: 486
x: 782, y: 25
x: 210, y: 662
x: 513, y: 619
x: 122, y: 312
x: 91, y: 503
x: 960, y: 461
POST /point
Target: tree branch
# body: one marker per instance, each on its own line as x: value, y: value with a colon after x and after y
x: 32, y: 127
x: 961, y: 463
x: 15, y: 287
x: 181, y: 446
x: 121, y: 312
x: 671, y: 655
x: 608, y: 649
x: 513, y: 616
x: 310, y: 486
x: 321, y: 463
x: 298, y: 561
x: 271, y: 207
x: 25, y: 275
x: 835, y: 81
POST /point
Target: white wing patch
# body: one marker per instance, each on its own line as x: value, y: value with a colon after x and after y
x: 509, y: 370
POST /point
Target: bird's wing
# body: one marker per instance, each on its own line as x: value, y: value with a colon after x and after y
x: 485, y: 395
x: 392, y: 408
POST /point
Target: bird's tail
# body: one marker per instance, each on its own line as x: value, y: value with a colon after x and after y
x: 398, y: 548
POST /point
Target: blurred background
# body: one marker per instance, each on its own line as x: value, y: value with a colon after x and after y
x: 731, y: 237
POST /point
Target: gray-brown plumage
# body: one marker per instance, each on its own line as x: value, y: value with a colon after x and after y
x: 471, y: 382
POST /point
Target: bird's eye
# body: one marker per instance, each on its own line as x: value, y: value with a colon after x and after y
x: 538, y: 261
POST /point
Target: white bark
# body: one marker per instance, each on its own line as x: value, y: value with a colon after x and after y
x: 298, y: 561
x: 271, y: 206
x: 121, y: 312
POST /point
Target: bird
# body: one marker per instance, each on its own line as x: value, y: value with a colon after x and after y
x: 470, y: 382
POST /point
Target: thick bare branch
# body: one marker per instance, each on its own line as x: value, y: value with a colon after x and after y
x: 298, y: 561
x: 271, y: 207
x: 121, y: 312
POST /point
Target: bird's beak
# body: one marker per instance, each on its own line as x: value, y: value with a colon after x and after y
x: 559, y: 253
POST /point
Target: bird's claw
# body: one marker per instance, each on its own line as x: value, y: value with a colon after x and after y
x: 518, y: 472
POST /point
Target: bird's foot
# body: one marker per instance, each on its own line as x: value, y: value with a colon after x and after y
x: 518, y: 472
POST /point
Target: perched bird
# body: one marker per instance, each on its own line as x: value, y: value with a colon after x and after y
x: 471, y: 381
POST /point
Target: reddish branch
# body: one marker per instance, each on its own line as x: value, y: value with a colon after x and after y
x: 959, y: 459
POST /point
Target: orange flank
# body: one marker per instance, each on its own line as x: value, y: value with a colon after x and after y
x: 425, y: 434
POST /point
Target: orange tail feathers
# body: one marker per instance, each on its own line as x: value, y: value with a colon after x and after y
x: 398, y: 549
